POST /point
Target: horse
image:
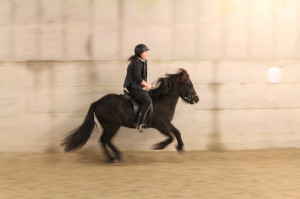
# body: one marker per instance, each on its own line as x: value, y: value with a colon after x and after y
x: 112, y: 112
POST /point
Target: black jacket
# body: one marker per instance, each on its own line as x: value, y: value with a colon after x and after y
x: 136, y: 73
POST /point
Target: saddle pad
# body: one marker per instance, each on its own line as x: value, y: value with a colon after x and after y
x: 127, y: 97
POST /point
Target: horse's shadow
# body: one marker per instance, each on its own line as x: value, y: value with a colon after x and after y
x: 91, y: 157
x: 131, y: 158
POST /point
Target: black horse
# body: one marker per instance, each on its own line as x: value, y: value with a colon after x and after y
x: 113, y: 112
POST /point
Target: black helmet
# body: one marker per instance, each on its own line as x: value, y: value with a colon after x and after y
x: 140, y: 48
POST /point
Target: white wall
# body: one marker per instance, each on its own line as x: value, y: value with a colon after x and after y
x: 58, y: 56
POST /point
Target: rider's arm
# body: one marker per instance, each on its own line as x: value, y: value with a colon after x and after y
x: 137, y: 71
x: 144, y: 83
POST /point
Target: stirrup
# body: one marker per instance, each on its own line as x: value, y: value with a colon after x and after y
x: 139, y: 127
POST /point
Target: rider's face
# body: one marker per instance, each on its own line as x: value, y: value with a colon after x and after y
x: 144, y: 54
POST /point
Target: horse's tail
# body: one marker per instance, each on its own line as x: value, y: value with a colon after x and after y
x: 78, y: 137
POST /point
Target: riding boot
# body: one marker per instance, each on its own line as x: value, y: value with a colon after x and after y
x: 139, y: 124
x: 139, y: 127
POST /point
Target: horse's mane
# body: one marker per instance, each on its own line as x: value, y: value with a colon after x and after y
x: 165, y: 84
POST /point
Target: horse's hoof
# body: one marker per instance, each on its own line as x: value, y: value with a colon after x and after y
x: 157, y: 147
x: 180, y: 150
x: 115, y: 161
x: 111, y: 160
x: 118, y: 162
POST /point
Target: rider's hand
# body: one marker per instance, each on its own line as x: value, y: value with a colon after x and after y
x: 148, y: 86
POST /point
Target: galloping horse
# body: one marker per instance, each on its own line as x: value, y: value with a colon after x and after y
x: 113, y: 112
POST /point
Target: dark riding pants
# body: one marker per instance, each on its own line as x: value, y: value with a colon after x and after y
x: 144, y: 98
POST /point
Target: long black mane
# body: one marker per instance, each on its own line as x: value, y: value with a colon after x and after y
x: 165, y: 84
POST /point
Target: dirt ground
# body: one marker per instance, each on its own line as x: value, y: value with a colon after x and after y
x: 266, y: 174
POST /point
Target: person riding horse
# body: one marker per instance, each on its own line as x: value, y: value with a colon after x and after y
x: 112, y: 112
x: 136, y: 81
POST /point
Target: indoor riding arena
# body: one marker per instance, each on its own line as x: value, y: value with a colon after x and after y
x: 241, y: 140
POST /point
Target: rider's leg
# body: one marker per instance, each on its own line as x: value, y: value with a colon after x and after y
x: 146, y: 103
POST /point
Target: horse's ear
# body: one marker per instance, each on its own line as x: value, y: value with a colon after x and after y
x: 183, y: 75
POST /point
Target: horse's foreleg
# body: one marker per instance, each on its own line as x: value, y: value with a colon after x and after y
x: 163, y: 144
x: 177, y: 134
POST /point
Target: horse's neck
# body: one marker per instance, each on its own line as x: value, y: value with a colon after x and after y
x: 170, y: 101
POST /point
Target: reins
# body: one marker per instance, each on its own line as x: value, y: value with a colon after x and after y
x: 134, y: 98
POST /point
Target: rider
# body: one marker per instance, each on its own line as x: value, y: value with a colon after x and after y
x: 136, y: 81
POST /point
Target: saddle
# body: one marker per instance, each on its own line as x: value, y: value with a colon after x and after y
x: 127, y: 97
x: 136, y: 106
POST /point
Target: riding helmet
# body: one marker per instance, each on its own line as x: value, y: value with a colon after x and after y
x: 140, y: 48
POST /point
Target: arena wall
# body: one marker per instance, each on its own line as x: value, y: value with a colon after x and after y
x: 58, y: 56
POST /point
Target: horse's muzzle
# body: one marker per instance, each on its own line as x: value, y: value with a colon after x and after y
x: 195, y: 99
x: 192, y: 99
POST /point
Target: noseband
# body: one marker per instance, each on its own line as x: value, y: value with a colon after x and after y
x: 190, y: 95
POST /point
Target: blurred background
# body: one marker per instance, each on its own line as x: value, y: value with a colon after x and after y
x: 243, y: 56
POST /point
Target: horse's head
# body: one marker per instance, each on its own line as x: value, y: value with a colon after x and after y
x: 176, y: 84
x: 185, y: 88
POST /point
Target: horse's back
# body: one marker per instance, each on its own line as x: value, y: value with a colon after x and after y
x: 112, y: 108
x: 110, y: 102
x: 109, y: 97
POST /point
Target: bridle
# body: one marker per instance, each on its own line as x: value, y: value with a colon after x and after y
x: 189, y: 98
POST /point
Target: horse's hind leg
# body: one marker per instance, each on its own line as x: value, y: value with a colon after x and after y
x: 103, y: 143
x: 163, y: 144
x: 106, y: 141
